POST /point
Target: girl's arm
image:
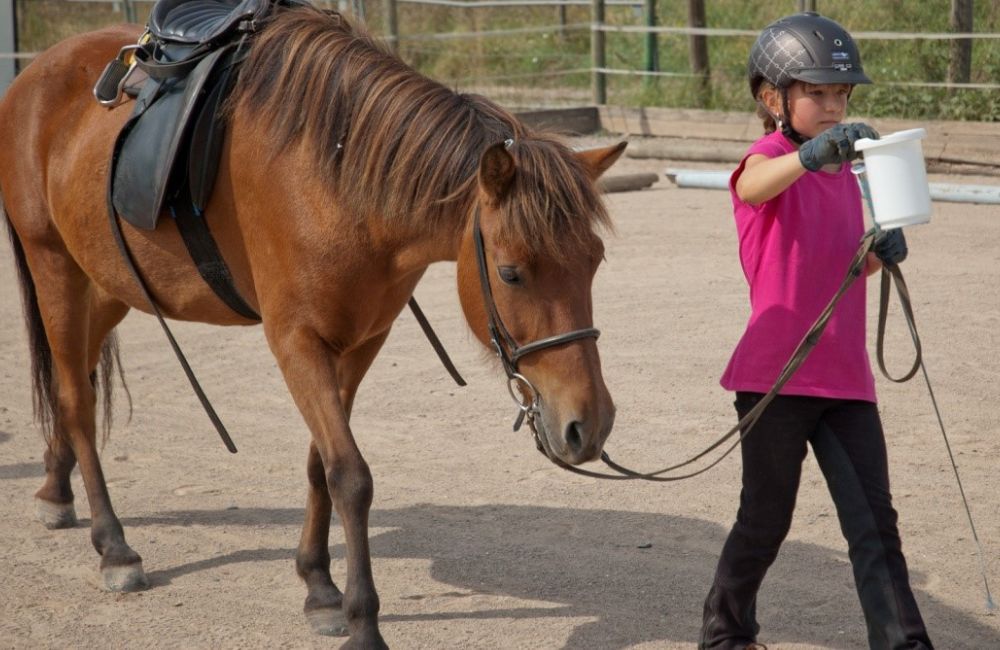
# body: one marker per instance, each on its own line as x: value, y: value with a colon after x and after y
x: 764, y: 178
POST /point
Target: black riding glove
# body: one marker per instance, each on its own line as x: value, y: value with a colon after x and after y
x: 834, y: 146
x: 890, y: 246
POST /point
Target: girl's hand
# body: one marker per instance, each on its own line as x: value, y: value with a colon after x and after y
x: 890, y: 246
x: 834, y: 146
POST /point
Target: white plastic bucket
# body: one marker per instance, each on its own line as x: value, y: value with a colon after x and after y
x: 897, y: 178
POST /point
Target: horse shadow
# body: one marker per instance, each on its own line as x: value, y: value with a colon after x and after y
x: 633, y: 577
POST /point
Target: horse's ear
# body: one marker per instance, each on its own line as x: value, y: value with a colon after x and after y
x: 496, y: 171
x: 599, y: 160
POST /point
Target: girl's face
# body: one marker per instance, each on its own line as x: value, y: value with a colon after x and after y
x: 814, y: 108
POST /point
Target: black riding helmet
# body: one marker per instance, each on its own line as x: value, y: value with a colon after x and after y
x: 803, y: 47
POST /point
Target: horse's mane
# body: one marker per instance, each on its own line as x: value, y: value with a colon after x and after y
x: 390, y: 141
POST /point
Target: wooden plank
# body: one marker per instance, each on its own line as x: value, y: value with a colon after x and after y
x: 569, y: 121
x: 687, y: 149
x: 976, y: 143
x: 695, y: 134
x: 679, y: 123
x: 627, y: 182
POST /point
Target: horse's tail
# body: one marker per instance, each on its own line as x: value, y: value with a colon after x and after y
x: 41, y: 354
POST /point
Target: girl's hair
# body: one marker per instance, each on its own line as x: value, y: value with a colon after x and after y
x: 769, y: 124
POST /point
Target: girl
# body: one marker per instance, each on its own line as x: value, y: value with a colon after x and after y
x: 799, y: 221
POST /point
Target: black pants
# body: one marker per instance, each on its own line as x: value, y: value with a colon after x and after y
x: 847, y: 439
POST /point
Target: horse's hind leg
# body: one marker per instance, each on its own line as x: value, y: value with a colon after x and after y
x: 54, y: 500
x: 77, y: 317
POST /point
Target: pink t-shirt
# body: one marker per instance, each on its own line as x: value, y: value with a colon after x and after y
x: 795, y: 250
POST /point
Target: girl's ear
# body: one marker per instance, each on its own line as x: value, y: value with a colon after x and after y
x: 771, y: 98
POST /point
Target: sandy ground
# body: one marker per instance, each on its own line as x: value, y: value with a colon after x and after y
x: 477, y: 541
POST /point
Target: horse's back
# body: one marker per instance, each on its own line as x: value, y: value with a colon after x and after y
x: 48, y: 114
x: 54, y: 165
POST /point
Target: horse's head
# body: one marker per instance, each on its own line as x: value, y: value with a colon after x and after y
x: 525, y: 272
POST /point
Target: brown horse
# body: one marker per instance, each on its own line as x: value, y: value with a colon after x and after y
x: 343, y: 176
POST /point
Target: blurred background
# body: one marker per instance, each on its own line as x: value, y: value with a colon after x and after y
x: 930, y: 59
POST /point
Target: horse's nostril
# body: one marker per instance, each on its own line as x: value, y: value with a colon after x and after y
x: 574, y: 440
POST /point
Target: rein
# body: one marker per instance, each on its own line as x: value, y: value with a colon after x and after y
x: 890, y: 272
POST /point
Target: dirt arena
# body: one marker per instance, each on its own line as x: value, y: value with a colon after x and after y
x: 477, y: 540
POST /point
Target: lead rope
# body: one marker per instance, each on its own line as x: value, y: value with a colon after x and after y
x: 904, y: 300
x: 743, y: 427
x: 990, y: 605
x: 890, y: 273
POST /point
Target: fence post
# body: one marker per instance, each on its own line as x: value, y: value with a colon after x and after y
x: 561, y: 17
x: 652, y: 49
x: 960, y: 59
x: 391, y: 24
x: 130, y: 15
x: 807, y: 5
x: 599, y: 78
x: 8, y: 43
x: 698, y: 48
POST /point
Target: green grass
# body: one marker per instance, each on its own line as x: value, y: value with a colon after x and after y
x: 483, y: 63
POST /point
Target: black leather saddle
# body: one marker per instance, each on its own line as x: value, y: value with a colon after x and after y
x: 166, y: 156
x: 173, y: 137
x: 202, y: 21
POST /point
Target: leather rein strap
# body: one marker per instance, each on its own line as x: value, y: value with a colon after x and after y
x: 134, y: 271
x: 809, y: 341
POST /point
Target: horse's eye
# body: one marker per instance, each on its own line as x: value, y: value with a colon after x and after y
x: 509, y: 274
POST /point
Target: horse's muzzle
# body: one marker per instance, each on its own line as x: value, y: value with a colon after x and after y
x: 575, y: 440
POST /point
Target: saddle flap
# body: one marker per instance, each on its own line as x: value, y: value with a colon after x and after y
x: 145, y: 165
x: 206, y: 140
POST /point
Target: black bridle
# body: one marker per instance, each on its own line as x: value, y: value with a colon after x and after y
x: 508, y: 350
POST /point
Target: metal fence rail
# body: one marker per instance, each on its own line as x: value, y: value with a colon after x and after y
x: 598, y: 27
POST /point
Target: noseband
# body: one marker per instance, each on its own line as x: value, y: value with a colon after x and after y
x: 508, y: 350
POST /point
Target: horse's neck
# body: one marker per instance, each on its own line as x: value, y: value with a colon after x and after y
x: 438, y: 244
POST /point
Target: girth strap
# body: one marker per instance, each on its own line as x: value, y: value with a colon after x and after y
x: 206, y: 256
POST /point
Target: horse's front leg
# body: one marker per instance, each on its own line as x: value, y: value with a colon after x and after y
x: 324, y: 602
x: 310, y: 368
x: 323, y: 607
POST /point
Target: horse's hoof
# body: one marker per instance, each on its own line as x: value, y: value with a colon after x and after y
x: 55, y: 515
x: 374, y: 642
x: 327, y: 621
x: 128, y: 577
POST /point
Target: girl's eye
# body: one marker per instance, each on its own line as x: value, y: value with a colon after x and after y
x: 509, y: 274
